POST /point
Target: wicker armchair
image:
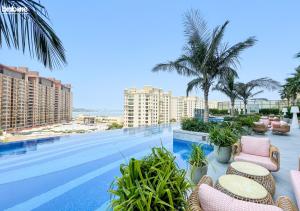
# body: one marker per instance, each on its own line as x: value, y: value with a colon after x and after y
x: 274, y: 155
x: 282, y: 129
x: 259, y: 127
x: 282, y: 202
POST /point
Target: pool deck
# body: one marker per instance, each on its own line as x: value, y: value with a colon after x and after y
x: 289, y: 146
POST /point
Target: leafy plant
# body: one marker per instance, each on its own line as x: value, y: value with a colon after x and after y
x: 197, y: 157
x: 196, y: 125
x: 222, y: 136
x: 152, y: 183
x: 247, y: 120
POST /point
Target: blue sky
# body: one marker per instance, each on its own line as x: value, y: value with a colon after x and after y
x: 112, y: 45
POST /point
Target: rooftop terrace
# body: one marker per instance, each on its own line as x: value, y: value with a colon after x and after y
x: 289, y: 146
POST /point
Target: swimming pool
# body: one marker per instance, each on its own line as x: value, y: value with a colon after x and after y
x: 75, y: 172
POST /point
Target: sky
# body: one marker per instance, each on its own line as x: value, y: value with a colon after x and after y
x: 112, y: 45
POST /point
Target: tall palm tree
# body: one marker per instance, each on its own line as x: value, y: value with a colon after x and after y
x: 228, y: 87
x: 245, y: 91
x: 285, y: 94
x: 30, y: 31
x: 205, y: 57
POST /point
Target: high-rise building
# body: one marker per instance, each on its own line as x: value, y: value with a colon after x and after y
x: 151, y: 106
x: 147, y: 106
x: 28, y: 100
x: 182, y: 107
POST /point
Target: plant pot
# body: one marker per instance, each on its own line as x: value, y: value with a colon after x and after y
x: 196, y: 173
x: 223, y: 154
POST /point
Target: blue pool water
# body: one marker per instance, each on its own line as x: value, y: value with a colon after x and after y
x: 75, y: 172
x: 216, y: 119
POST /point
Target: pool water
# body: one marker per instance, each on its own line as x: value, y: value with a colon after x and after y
x: 75, y: 172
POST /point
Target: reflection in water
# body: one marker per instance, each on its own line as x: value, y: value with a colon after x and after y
x: 21, y: 147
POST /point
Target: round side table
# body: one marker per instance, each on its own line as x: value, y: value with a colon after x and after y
x: 244, y: 189
x: 255, y: 172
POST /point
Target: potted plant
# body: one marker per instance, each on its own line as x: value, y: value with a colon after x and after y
x: 154, y: 182
x: 223, y: 139
x: 198, y: 163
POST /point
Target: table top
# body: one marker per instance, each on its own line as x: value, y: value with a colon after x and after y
x: 242, y: 186
x: 250, y: 168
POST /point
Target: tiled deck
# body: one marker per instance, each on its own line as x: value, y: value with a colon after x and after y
x: 289, y: 146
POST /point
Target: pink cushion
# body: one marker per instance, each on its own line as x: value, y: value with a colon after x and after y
x: 275, y: 124
x: 259, y: 160
x: 295, y: 178
x: 214, y: 200
x: 255, y: 146
x: 265, y: 121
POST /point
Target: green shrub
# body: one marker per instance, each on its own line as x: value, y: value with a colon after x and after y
x: 152, y: 183
x: 217, y: 112
x: 229, y: 118
x: 197, y: 157
x: 114, y: 125
x: 196, y: 125
x: 223, y: 136
x: 247, y: 120
x: 268, y: 111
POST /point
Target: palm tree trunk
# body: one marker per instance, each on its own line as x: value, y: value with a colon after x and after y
x: 245, y: 107
x: 232, y: 107
x: 205, y: 106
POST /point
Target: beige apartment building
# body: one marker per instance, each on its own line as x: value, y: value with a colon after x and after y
x: 145, y: 107
x: 182, y: 107
x: 28, y: 100
x: 152, y: 106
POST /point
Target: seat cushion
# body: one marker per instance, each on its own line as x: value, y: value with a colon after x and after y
x: 295, y: 178
x: 259, y: 160
x: 255, y: 146
x: 275, y: 124
x: 214, y: 200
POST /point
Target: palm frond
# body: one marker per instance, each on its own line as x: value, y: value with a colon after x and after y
x: 198, y: 82
x: 31, y: 32
x: 265, y: 82
x: 230, y: 56
x: 195, y: 27
x: 180, y: 66
x: 256, y: 93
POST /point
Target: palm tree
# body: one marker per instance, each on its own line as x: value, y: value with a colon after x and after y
x: 245, y: 90
x: 285, y: 94
x: 30, y: 31
x: 228, y: 87
x: 205, y: 57
x: 292, y: 88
